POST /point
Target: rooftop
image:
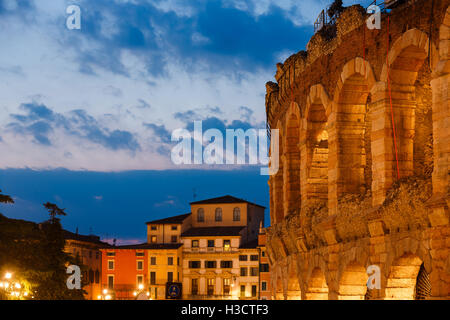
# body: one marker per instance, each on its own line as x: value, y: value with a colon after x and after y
x: 85, y: 238
x: 213, y: 231
x: 171, y: 220
x: 225, y: 199
x: 151, y: 246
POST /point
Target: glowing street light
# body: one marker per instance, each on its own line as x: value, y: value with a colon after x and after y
x: 8, y: 275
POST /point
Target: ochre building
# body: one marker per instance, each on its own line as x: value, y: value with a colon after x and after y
x: 210, y: 253
x: 363, y: 182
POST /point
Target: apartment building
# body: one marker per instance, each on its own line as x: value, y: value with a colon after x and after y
x: 204, y: 252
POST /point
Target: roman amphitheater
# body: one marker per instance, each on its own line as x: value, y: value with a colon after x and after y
x: 364, y: 124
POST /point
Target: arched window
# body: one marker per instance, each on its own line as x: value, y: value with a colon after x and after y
x: 219, y: 214
x: 200, y: 215
x: 236, y: 214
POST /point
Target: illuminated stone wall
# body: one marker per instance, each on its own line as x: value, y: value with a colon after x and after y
x: 348, y: 195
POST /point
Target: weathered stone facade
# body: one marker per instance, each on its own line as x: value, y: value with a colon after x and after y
x: 354, y: 190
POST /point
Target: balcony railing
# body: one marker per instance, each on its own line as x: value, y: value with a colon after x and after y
x: 211, y: 250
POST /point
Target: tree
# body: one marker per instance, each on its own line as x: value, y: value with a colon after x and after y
x: 335, y: 9
x: 5, y: 199
x: 54, y: 211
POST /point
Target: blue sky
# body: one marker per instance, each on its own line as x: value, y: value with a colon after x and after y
x: 91, y: 111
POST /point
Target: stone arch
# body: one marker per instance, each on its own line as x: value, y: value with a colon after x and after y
x: 316, y: 288
x: 399, y: 80
x: 315, y: 146
x: 347, y: 125
x: 353, y: 282
x: 402, y: 277
x: 278, y: 182
x: 292, y: 159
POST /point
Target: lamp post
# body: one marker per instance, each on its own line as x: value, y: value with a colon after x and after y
x: 139, y: 293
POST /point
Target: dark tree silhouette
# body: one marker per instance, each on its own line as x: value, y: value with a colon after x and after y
x: 54, y: 211
x: 336, y: 8
x: 5, y: 199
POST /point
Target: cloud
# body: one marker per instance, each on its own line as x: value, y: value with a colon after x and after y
x: 40, y: 122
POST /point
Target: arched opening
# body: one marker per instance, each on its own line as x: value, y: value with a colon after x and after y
x: 402, y: 106
x: 349, y: 145
x: 403, y: 77
x: 353, y: 282
x: 292, y: 164
x: 403, y: 275
x: 278, y: 184
x: 293, y: 287
x: 317, y: 288
x: 317, y: 154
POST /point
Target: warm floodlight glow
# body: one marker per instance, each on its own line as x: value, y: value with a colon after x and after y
x: 105, y: 291
x: 108, y: 297
x: 141, y: 286
x: 8, y: 275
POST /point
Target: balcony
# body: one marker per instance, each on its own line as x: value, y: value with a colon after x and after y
x: 211, y: 250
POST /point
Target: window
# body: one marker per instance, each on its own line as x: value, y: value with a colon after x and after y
x: 154, y: 228
x: 110, y: 264
x: 153, y: 278
x: 264, y: 267
x: 174, y: 228
x: 194, y: 264
x: 211, y: 244
x: 263, y: 253
x: 264, y: 286
x: 154, y: 239
x: 226, y: 264
x: 97, y: 254
x: 97, y: 276
x: 111, y: 282
x: 243, y: 257
x: 153, y: 261
x: 174, y: 239
x: 242, y: 291
x: 226, y: 245
x: 200, y: 215
x: 218, y: 214
x: 170, y: 261
x: 243, y: 272
x: 140, y: 279
x: 211, y: 285
x: 140, y: 254
x: 210, y: 264
x: 236, y: 214
x: 226, y: 286
x: 91, y: 276
x: 140, y: 265
x: 254, y: 290
x: 194, y: 243
x: 178, y: 261
x: 194, y: 287
x: 254, y: 257
x: 169, y: 276
x: 254, y: 271
x: 110, y: 254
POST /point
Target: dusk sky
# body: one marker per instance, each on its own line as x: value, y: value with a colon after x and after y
x: 86, y: 116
